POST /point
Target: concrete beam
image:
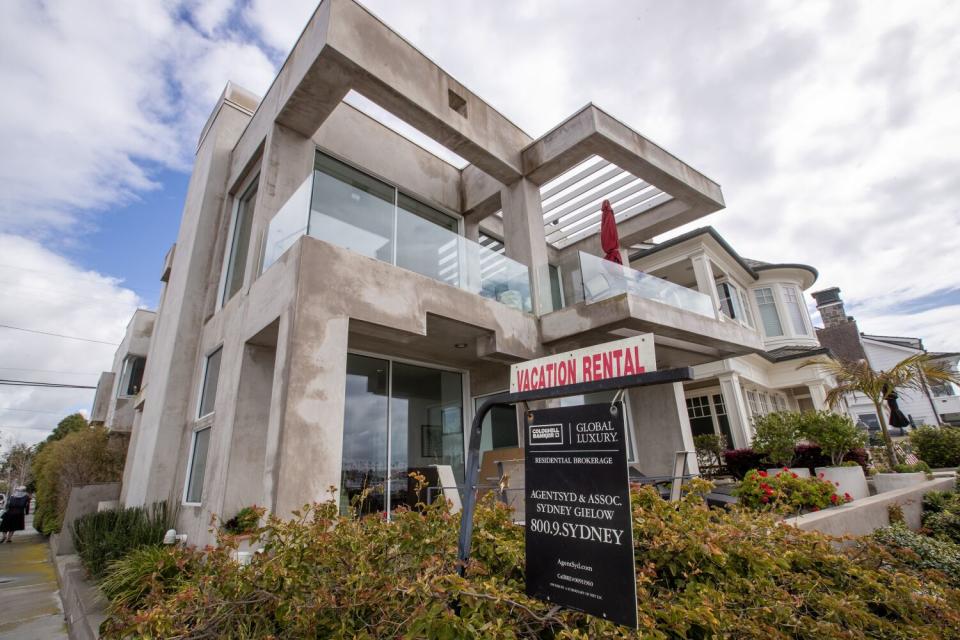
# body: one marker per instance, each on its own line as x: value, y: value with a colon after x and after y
x: 479, y: 193
x: 592, y: 131
x: 345, y: 47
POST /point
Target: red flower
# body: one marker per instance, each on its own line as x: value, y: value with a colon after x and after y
x: 764, y: 499
x: 815, y: 509
x: 762, y: 474
x: 833, y: 498
x: 794, y: 475
x: 848, y: 497
x: 820, y: 475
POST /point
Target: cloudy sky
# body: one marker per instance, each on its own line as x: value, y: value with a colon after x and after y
x: 833, y: 129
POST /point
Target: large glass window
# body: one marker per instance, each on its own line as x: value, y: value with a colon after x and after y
x: 768, y: 312
x: 198, y: 464
x: 407, y: 414
x: 211, y: 376
x: 427, y: 241
x: 365, y: 423
x: 240, y: 244
x: 700, y: 415
x: 131, y: 379
x: 794, y: 304
x: 351, y: 209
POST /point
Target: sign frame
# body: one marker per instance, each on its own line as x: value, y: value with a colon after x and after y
x: 509, y: 399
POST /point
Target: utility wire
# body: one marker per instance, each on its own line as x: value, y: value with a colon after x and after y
x: 34, y: 383
x: 53, y: 413
x: 58, y: 335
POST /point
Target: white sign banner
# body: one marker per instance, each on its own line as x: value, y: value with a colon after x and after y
x: 600, y: 362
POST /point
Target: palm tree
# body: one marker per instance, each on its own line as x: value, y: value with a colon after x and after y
x: 913, y: 373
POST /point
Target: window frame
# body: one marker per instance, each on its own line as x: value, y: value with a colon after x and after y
x: 800, y: 308
x: 126, y: 372
x: 251, y: 183
x: 190, y: 464
x: 772, y: 304
x: 203, y: 383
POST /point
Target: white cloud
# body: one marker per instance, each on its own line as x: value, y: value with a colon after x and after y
x: 44, y: 292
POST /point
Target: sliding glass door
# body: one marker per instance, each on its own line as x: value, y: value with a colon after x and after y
x: 408, y: 414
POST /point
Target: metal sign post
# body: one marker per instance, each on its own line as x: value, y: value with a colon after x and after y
x: 667, y: 376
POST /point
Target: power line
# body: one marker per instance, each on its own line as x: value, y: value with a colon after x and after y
x: 49, y: 385
x: 68, y: 373
x: 58, y: 335
x: 53, y: 413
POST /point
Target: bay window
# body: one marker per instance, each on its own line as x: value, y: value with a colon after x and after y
x: 793, y: 301
x: 768, y: 312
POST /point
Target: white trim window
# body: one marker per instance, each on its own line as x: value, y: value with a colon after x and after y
x: 211, y: 378
x: 753, y: 403
x: 240, y: 241
x: 769, y: 317
x: 746, y: 308
x: 764, y: 403
x: 793, y: 301
x: 729, y: 296
x: 199, y: 445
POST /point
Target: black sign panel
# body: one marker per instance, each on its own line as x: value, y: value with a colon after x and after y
x: 579, y: 527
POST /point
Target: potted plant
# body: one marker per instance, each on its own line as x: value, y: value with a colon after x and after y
x: 776, y: 436
x: 836, y: 435
x: 241, y: 529
x: 901, y: 476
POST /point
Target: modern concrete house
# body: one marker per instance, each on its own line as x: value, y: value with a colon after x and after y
x: 340, y: 297
x: 763, y: 298
x: 936, y: 405
x: 118, y: 390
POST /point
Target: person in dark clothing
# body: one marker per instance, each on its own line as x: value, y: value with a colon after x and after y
x: 17, y: 507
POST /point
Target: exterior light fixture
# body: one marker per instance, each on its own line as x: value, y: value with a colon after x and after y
x: 461, y: 345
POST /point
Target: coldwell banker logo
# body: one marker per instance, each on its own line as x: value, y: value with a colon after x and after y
x: 546, y: 434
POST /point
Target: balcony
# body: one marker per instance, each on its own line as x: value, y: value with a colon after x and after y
x: 376, y: 221
x: 598, y: 279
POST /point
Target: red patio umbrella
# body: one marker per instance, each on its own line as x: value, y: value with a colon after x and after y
x: 609, y: 239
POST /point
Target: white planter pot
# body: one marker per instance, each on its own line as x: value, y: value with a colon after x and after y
x: 847, y: 480
x: 884, y: 482
x: 802, y: 472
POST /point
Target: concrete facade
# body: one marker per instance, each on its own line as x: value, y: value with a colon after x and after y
x: 278, y: 327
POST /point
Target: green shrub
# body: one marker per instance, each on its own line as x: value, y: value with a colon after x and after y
x: 86, y: 455
x: 941, y: 515
x: 776, y: 437
x: 246, y: 521
x: 786, y: 492
x: 701, y: 573
x: 938, y: 447
x: 710, y: 448
x: 153, y: 569
x: 106, y: 536
x: 916, y: 467
x: 922, y: 552
x: 835, y: 434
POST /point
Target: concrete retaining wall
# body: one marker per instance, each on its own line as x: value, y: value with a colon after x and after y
x: 83, y: 605
x: 83, y: 500
x: 862, y: 517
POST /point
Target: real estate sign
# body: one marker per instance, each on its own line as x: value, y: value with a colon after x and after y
x: 579, y: 530
x: 616, y: 359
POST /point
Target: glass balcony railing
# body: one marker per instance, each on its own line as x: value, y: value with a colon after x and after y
x: 598, y: 279
x: 399, y: 231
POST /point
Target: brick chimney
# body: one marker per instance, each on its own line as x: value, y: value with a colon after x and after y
x: 830, y: 306
x: 840, y: 333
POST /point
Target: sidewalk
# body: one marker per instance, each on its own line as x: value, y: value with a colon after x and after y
x: 29, y: 601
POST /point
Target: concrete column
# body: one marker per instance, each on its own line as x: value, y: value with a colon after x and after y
x: 737, y: 414
x: 471, y: 228
x: 706, y: 284
x: 305, y: 439
x: 524, y: 238
x: 818, y: 395
x: 661, y: 428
